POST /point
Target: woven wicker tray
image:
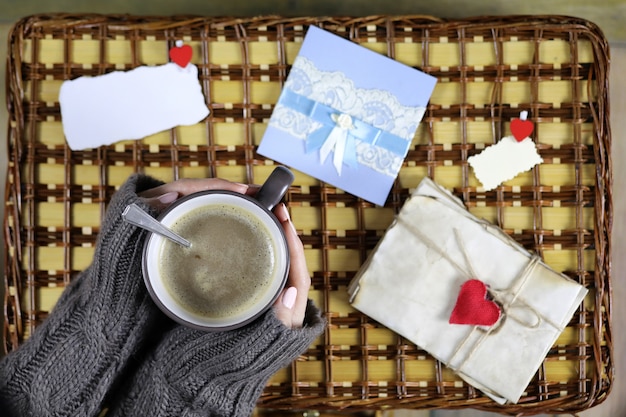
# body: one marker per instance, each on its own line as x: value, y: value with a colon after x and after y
x: 488, y: 69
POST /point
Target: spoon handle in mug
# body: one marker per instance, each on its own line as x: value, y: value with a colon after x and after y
x: 133, y: 214
x: 275, y: 187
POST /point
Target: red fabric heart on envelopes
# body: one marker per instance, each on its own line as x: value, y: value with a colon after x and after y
x: 181, y: 55
x: 472, y: 306
x: 521, y: 129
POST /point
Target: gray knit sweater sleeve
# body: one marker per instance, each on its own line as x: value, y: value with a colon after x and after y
x: 105, y: 331
x: 68, y: 364
x: 192, y: 373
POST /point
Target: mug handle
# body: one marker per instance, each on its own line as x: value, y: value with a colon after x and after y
x: 275, y: 187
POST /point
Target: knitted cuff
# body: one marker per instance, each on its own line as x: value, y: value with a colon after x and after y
x: 203, y: 373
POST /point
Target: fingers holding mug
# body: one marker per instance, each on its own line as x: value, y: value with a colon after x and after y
x: 165, y: 194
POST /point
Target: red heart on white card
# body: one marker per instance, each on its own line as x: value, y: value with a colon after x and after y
x: 472, y: 306
x: 181, y: 55
x: 521, y: 129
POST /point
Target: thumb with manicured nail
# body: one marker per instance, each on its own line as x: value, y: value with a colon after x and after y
x: 289, y: 297
x: 283, y: 308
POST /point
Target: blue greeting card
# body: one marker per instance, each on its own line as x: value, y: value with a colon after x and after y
x: 347, y: 115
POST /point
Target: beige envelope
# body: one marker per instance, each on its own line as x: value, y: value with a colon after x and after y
x: 411, y: 281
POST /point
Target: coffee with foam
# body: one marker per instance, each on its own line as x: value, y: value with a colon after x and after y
x: 228, y: 269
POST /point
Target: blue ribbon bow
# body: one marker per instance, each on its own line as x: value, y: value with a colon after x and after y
x: 339, y: 131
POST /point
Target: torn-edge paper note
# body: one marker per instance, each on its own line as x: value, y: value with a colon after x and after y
x: 133, y: 104
x: 411, y: 281
x: 509, y: 157
x: 504, y: 161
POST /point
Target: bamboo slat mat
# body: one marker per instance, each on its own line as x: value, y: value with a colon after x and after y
x: 489, y: 69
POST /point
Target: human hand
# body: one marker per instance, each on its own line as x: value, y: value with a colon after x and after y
x: 163, y: 195
x: 291, y: 304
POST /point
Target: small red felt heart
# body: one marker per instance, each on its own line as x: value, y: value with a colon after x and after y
x: 521, y: 129
x: 181, y: 55
x: 472, y: 306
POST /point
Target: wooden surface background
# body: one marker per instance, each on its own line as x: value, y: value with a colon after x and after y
x: 607, y: 14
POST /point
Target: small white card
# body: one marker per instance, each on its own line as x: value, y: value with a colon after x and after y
x: 509, y: 157
x: 128, y: 105
x: 504, y: 161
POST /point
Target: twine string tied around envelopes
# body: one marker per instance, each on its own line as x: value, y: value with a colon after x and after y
x: 509, y: 299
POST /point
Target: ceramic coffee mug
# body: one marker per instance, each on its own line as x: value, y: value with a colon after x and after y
x: 238, y: 261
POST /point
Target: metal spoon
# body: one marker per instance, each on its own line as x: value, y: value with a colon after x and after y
x: 133, y: 214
